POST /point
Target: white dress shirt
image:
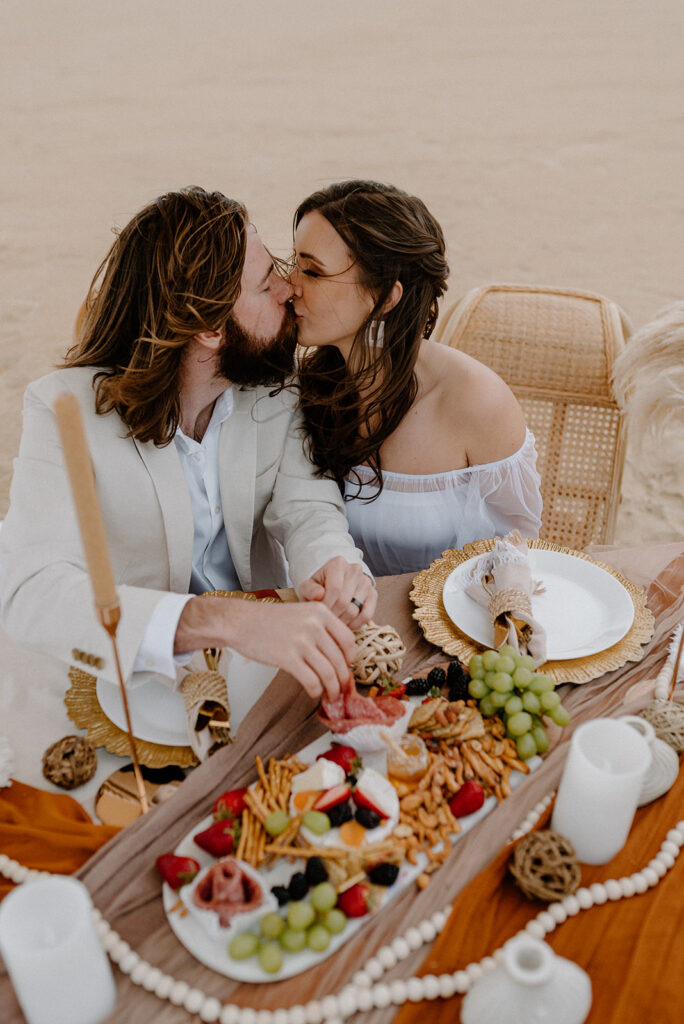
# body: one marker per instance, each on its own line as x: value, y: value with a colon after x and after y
x: 212, y: 562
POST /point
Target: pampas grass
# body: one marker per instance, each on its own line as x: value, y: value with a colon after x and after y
x: 648, y: 376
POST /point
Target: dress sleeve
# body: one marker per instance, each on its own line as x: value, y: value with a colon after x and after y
x: 509, y: 493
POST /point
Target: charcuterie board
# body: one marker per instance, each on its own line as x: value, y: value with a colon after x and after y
x: 212, y: 948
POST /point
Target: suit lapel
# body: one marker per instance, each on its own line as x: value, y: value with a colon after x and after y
x: 237, y: 476
x: 164, y: 467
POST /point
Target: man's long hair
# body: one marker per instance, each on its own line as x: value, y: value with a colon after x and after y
x: 173, y: 272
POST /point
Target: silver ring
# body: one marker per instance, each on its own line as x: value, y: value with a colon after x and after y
x: 359, y: 604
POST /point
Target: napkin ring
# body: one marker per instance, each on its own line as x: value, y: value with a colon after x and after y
x: 504, y: 601
x: 208, y: 687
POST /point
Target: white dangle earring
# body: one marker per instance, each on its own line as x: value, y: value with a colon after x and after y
x: 375, y: 334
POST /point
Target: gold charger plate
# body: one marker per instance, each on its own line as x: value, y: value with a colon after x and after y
x: 438, y: 628
x: 83, y: 708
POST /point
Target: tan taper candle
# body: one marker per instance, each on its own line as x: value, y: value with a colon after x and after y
x: 80, y: 472
x: 82, y: 479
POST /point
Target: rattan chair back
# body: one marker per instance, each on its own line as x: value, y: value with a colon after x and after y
x: 555, y: 348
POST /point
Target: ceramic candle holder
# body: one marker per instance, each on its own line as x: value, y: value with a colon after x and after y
x: 53, y: 956
x: 600, y: 788
x: 664, y: 766
x: 530, y: 984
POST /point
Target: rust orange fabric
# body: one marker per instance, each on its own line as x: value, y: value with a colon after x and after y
x: 632, y: 949
x: 46, y: 831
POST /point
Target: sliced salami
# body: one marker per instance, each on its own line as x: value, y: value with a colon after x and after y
x: 351, y: 709
x: 227, y: 890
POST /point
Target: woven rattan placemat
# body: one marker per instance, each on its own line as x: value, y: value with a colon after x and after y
x: 438, y: 628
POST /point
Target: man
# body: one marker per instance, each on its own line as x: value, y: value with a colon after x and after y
x: 201, y: 473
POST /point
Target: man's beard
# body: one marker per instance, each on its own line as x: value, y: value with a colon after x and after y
x: 246, y: 359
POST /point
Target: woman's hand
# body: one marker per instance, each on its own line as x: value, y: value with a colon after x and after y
x: 307, y: 639
x: 346, y: 590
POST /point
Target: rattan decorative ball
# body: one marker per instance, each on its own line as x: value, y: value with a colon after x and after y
x: 70, y: 762
x: 379, y: 652
x: 544, y: 866
x: 667, y: 718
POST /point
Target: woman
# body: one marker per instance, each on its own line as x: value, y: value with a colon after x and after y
x: 429, y: 446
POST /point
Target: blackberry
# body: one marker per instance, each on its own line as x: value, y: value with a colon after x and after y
x: 367, y: 818
x: 417, y: 687
x: 456, y: 672
x: 315, y: 871
x: 282, y: 894
x: 339, y: 814
x: 383, y: 874
x: 298, y: 887
x: 457, y: 680
x: 437, y: 677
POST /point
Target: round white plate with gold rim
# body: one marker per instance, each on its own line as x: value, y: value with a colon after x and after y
x: 158, y: 712
x: 583, y: 608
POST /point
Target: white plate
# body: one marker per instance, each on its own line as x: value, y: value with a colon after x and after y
x: 584, y: 609
x: 214, y: 954
x: 158, y: 713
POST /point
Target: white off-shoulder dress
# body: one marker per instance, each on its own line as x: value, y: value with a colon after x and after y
x: 416, y: 518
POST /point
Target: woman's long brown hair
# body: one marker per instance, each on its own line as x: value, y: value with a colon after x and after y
x: 173, y: 272
x: 392, y: 237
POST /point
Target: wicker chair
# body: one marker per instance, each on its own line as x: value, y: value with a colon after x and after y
x: 555, y: 348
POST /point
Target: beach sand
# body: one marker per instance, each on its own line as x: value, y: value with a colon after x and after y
x: 547, y: 138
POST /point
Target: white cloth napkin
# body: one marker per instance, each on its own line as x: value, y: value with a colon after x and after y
x: 501, y: 581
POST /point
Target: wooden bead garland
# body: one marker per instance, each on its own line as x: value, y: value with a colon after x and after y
x: 362, y: 994
x: 544, y: 866
x: 379, y: 652
x: 70, y: 762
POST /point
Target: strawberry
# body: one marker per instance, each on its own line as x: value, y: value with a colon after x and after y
x: 361, y: 800
x: 229, y: 805
x: 346, y: 757
x: 467, y: 800
x: 332, y: 797
x: 391, y: 687
x: 376, y: 793
x: 220, y: 838
x: 354, y: 901
x: 176, y: 871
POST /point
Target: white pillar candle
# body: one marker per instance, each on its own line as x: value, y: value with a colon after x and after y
x: 599, y: 790
x: 59, y: 971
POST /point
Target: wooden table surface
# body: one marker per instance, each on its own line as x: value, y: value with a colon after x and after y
x: 125, y: 886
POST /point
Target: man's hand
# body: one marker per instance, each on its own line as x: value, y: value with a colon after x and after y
x: 345, y: 589
x: 306, y: 639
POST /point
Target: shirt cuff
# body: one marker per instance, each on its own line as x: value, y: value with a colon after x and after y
x: 155, y: 653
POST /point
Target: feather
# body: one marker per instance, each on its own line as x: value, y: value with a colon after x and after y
x: 648, y: 375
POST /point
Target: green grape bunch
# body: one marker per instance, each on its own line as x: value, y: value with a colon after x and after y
x: 505, y: 683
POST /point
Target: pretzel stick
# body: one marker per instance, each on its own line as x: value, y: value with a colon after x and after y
x: 304, y: 851
x: 94, y: 538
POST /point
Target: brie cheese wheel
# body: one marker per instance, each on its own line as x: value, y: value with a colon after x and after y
x: 323, y: 774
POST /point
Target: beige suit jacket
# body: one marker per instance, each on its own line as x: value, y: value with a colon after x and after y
x: 272, y: 503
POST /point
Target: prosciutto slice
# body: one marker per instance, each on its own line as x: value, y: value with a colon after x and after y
x: 227, y: 890
x: 351, y: 709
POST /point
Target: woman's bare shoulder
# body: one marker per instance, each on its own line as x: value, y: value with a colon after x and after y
x: 479, y: 404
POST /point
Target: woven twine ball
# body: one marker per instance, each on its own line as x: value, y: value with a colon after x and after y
x: 544, y: 866
x: 379, y: 652
x: 70, y: 762
x: 667, y: 718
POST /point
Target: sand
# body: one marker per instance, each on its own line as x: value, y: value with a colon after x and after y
x: 547, y: 138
